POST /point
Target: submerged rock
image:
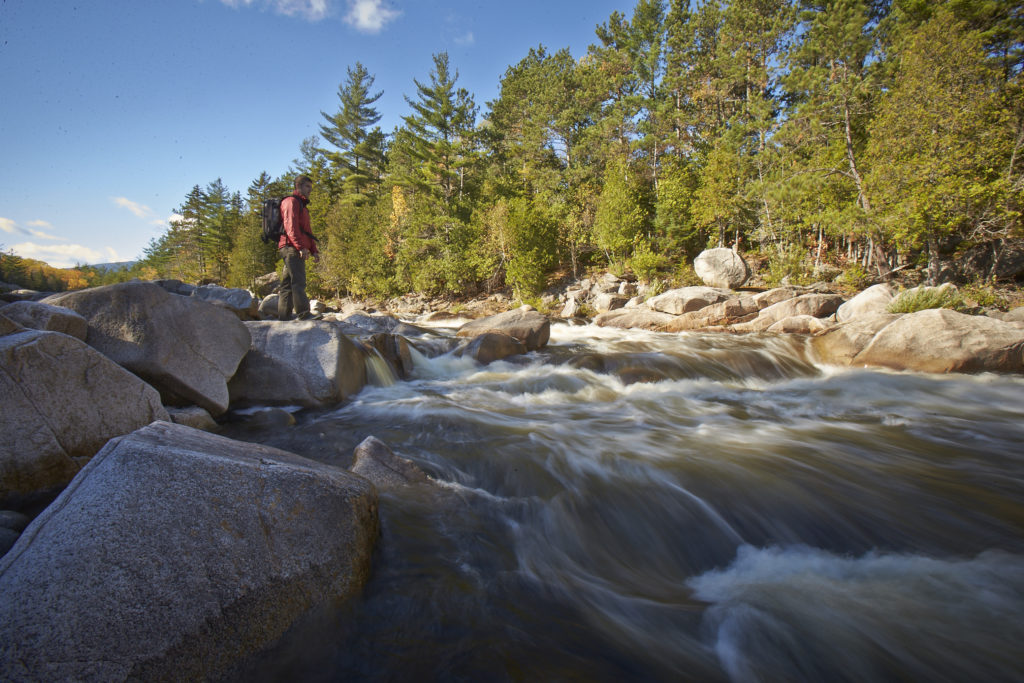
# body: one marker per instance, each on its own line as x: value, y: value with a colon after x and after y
x: 374, y: 460
x: 176, y: 553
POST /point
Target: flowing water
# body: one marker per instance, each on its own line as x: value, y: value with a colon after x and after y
x: 633, y: 506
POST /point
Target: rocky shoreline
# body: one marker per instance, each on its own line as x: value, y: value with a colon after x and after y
x: 184, y: 551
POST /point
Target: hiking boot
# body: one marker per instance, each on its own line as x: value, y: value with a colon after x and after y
x: 308, y: 316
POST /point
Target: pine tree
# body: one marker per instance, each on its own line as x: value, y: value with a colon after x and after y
x: 358, y: 160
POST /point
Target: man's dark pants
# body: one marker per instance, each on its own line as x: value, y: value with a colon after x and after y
x: 292, y: 291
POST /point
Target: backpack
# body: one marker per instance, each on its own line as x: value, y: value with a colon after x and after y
x: 273, y: 226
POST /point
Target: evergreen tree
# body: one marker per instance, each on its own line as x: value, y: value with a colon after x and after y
x: 358, y: 160
x: 939, y: 142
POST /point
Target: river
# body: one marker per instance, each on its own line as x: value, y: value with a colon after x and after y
x: 636, y: 506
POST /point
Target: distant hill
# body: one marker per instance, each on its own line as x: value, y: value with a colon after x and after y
x: 109, y: 267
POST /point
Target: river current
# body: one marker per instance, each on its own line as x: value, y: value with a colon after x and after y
x: 636, y: 506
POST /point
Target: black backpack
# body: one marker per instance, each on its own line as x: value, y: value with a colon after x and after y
x: 273, y: 226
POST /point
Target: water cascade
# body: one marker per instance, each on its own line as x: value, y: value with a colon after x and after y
x: 634, y: 506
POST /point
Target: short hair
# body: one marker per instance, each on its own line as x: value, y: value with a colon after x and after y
x: 302, y: 179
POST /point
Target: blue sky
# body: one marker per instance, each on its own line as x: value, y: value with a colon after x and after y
x: 111, y: 110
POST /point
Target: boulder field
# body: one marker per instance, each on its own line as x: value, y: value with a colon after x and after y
x: 171, y: 552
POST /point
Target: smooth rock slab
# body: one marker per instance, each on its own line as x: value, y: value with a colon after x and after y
x: 176, y: 553
x: 308, y: 363
x: 40, y: 316
x: 62, y: 401
x: 525, y: 324
x: 687, y: 299
x: 941, y: 340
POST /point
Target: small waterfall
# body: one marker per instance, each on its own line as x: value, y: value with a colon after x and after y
x: 378, y: 372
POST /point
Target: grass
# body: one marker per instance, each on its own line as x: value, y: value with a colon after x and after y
x: 924, y: 298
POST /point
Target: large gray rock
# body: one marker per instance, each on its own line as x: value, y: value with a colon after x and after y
x: 871, y: 301
x: 176, y: 553
x: 608, y: 301
x: 374, y: 460
x: 634, y: 317
x: 841, y: 344
x: 40, y: 316
x: 722, y: 268
x: 62, y: 400
x: 941, y: 340
x: 728, y: 312
x: 308, y: 363
x: 687, y: 299
x: 816, y: 305
x: 525, y: 324
x: 239, y: 301
x: 186, y: 348
x: 801, y: 324
x: 491, y: 346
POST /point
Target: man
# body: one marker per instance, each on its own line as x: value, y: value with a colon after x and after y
x: 295, y: 246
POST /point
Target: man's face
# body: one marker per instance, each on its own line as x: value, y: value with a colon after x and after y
x: 306, y: 188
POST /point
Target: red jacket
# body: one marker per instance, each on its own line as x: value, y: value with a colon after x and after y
x: 297, y: 230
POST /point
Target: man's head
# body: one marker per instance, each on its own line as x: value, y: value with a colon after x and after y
x: 304, y: 184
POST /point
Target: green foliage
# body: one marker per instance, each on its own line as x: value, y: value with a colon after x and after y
x: 774, y: 125
x: 791, y: 264
x: 985, y: 296
x: 855, y: 277
x: 645, y: 262
x: 924, y: 298
x: 686, y: 276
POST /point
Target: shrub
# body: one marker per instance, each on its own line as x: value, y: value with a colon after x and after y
x: 924, y: 298
x: 855, y: 276
x: 788, y: 264
x: 645, y: 262
x: 986, y: 297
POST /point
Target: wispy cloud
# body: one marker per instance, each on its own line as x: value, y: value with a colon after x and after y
x: 140, y: 210
x: 467, y: 39
x: 65, y: 255
x: 369, y: 16
x: 12, y: 228
x: 311, y: 10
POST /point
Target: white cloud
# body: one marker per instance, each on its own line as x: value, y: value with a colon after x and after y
x: 312, y: 10
x: 65, y: 255
x: 467, y: 39
x: 369, y: 16
x: 12, y: 228
x: 140, y: 210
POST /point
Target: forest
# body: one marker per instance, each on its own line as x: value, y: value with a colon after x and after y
x: 857, y: 136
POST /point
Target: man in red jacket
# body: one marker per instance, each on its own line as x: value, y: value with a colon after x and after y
x: 295, y: 246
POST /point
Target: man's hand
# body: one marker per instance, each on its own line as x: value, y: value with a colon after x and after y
x: 316, y: 257
x: 304, y: 254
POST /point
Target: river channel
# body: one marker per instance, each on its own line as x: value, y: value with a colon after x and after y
x: 636, y: 506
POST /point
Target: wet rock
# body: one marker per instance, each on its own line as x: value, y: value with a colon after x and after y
x: 176, y: 553
x: 687, y: 299
x: 39, y: 316
x: 722, y: 268
x: 525, y: 324
x: 374, y: 460
x: 307, y: 363
x: 186, y: 348
x: 491, y: 346
x: 394, y: 349
x: 62, y: 401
